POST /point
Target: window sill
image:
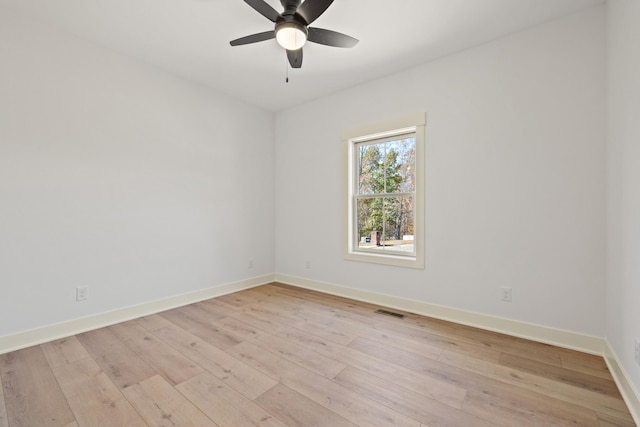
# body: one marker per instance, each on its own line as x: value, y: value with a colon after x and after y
x: 385, y: 259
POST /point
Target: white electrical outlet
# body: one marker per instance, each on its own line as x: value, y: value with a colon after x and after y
x: 82, y: 293
x: 636, y: 350
x: 250, y: 263
x: 505, y: 292
x: 307, y: 265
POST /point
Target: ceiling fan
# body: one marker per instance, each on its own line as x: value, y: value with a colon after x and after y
x: 292, y: 29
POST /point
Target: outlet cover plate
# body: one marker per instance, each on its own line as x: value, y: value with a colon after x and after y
x: 82, y: 293
x: 505, y: 293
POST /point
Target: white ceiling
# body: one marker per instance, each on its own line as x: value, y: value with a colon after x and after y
x: 191, y: 38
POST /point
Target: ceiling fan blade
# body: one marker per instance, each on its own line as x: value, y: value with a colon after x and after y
x: 295, y: 58
x: 330, y: 38
x: 263, y: 9
x: 310, y: 10
x: 254, y: 38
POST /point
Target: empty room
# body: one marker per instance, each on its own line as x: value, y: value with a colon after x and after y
x: 429, y: 218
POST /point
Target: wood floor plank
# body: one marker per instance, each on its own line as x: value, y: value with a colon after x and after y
x: 508, y: 411
x: 436, y: 330
x: 224, y: 405
x: 332, y: 320
x: 496, y: 400
x: 298, y: 300
x: 63, y: 351
x: 387, y: 326
x: 262, y: 322
x: 389, y: 353
x: 454, y: 337
x: 335, y: 397
x: 4, y: 420
x: 586, y: 364
x: 271, y: 312
x: 238, y: 328
x: 198, y: 322
x: 564, y: 392
x: 428, y: 386
x: 538, y: 352
x: 282, y: 306
x: 213, y: 309
x: 94, y: 399
x: 295, y: 303
x: 474, y: 381
x: 415, y: 346
x: 220, y: 308
x: 609, y: 421
x: 243, y: 378
x: 335, y: 335
x: 337, y: 331
x: 471, y: 350
x: 31, y: 393
x: 496, y: 341
x: 300, y: 355
x: 417, y: 406
x: 599, y: 385
x: 161, y: 404
x: 121, y: 364
x: 294, y: 409
x: 243, y: 298
x: 535, y: 403
x: 263, y: 292
x: 166, y: 361
x: 335, y: 302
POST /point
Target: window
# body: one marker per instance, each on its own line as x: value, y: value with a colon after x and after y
x: 385, y: 195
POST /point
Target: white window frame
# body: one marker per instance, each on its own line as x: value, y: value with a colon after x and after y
x: 414, y: 123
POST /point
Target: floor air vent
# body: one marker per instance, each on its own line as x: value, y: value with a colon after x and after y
x: 390, y: 313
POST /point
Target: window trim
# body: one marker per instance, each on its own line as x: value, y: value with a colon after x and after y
x: 413, y: 123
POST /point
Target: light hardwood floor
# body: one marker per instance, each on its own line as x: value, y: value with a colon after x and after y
x: 276, y: 355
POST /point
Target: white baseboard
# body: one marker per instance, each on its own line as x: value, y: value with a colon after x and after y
x: 72, y: 327
x: 627, y: 389
x: 558, y: 337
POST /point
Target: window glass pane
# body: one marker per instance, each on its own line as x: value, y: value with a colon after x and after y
x: 370, y: 168
x: 369, y: 230
x: 392, y: 167
x: 385, y: 224
x: 391, y: 220
x: 387, y: 166
x: 398, y: 217
x: 401, y: 165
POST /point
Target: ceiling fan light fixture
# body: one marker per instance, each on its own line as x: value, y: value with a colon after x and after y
x: 291, y: 35
x: 291, y: 29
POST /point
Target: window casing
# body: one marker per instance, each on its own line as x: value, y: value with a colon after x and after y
x: 385, y: 169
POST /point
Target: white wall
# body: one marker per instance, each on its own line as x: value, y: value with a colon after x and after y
x: 515, y: 177
x: 623, y: 225
x: 120, y: 177
x: 140, y: 185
